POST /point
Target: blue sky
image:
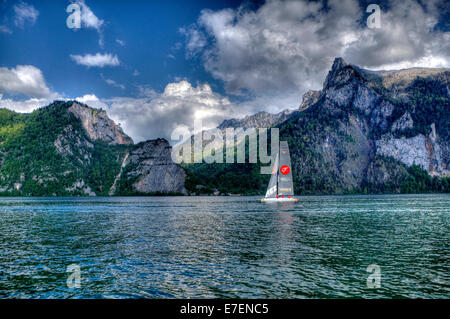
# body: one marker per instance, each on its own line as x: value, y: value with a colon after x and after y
x: 145, y: 35
x: 158, y: 65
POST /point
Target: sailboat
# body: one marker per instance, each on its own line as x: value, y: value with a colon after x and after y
x: 281, y: 187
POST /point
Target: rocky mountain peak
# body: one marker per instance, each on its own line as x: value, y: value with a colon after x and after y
x: 340, y: 73
x: 309, y: 98
x: 98, y: 125
x: 338, y: 63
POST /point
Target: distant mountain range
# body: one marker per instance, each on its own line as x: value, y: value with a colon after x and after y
x: 364, y: 132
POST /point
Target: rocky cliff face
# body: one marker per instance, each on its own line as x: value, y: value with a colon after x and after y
x: 309, y: 98
x: 149, y: 169
x: 98, y: 125
x: 426, y: 151
x: 393, y: 134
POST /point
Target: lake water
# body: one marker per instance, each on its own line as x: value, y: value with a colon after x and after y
x: 228, y: 247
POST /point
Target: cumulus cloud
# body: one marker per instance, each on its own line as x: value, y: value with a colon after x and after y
x: 23, y: 13
x: 147, y: 91
x: 92, y: 100
x: 25, y: 106
x: 284, y: 48
x: 153, y: 114
x: 28, y: 86
x: 24, y: 79
x: 97, y: 60
x: 407, y: 38
x: 178, y: 106
x: 90, y: 20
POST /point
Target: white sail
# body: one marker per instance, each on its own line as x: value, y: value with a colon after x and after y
x: 285, y: 184
x: 281, y: 186
x: 272, y: 189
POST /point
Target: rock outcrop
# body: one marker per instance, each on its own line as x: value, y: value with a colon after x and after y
x: 150, y: 169
x: 404, y: 123
x: 98, y: 125
x: 309, y: 98
x: 71, y: 143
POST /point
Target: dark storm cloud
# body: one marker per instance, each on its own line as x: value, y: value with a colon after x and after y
x: 286, y: 47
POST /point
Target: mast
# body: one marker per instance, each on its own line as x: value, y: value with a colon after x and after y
x: 278, y: 155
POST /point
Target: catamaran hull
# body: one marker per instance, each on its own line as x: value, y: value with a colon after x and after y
x: 279, y: 200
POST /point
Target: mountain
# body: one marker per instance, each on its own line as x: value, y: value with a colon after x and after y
x: 98, y: 125
x: 372, y: 131
x: 365, y: 131
x: 68, y: 148
x: 258, y: 120
x: 265, y: 119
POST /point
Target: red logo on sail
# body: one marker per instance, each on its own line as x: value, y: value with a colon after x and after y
x: 285, y: 169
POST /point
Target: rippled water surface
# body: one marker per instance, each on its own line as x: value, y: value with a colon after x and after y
x: 175, y: 247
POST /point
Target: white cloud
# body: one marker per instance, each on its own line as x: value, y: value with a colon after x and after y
x: 91, y: 100
x: 25, y: 106
x: 285, y: 48
x: 147, y: 91
x: 156, y: 114
x: 28, y: 81
x: 87, y: 98
x: 97, y: 60
x: 25, y: 13
x: 5, y: 29
x: 179, y: 105
x: 428, y: 61
x: 29, y: 105
x: 197, y: 40
x: 407, y: 38
x: 90, y: 20
x: 120, y: 42
x: 24, y: 79
x: 153, y: 114
x: 114, y: 83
